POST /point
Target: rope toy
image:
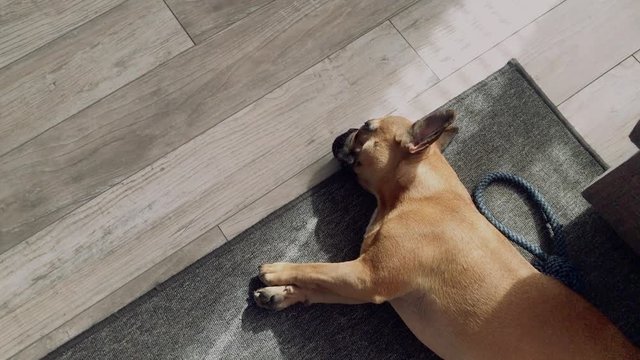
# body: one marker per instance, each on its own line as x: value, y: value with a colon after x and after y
x: 555, y: 265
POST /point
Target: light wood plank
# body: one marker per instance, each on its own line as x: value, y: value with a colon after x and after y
x: 72, y: 72
x: 605, y: 112
x: 605, y: 32
x: 27, y: 25
x: 98, y: 147
x: 469, y: 75
x: 82, y: 258
x: 449, y: 34
x: 552, y: 49
x: 146, y: 281
x: 205, y: 18
x: 281, y: 195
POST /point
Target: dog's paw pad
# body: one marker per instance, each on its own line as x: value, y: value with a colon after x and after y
x: 263, y: 299
x: 274, y: 297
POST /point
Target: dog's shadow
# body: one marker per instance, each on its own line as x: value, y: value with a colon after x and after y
x: 341, y: 211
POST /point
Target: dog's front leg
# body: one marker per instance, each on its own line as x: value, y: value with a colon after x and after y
x: 280, y: 297
x: 346, y: 283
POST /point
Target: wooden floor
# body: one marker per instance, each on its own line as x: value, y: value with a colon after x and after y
x: 137, y: 136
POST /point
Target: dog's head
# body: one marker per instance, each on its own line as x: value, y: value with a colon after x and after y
x: 377, y: 148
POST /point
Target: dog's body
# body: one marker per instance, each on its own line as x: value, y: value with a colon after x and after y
x: 454, y: 279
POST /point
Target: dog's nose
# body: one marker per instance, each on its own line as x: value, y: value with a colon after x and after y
x: 339, y: 151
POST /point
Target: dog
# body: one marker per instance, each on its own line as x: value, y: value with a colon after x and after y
x: 454, y: 279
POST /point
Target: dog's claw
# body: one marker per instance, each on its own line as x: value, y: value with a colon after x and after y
x: 263, y: 300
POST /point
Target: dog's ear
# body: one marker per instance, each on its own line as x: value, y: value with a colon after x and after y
x: 447, y: 135
x: 431, y: 128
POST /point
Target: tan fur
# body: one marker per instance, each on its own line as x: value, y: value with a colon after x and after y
x: 455, y: 280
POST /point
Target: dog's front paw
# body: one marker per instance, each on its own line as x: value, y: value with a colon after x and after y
x: 276, y: 274
x: 276, y: 297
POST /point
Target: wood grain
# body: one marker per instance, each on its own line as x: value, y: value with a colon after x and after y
x: 75, y: 262
x: 449, y: 34
x: 146, y: 281
x: 606, y: 111
x: 551, y: 50
x: 611, y: 120
x: 83, y: 156
x: 278, y: 197
x: 27, y: 25
x: 203, y: 19
x: 75, y: 70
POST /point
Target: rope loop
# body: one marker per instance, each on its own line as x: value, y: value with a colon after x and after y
x: 556, y: 264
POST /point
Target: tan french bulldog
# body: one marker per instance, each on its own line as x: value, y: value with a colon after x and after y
x: 453, y: 278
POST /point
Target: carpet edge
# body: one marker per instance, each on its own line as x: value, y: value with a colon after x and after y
x: 521, y: 70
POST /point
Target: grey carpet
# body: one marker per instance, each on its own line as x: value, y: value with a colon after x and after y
x: 203, y: 312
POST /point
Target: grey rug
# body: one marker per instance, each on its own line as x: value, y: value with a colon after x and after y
x: 204, y: 311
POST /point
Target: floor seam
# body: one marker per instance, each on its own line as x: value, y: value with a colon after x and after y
x: 193, y: 43
x: 103, y: 97
x: 415, y: 51
x: 505, y: 39
x: 271, y: 190
x: 592, y: 81
x: 61, y: 35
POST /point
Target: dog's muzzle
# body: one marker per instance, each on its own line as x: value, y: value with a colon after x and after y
x: 341, y: 149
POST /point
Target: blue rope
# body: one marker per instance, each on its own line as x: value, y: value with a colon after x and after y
x: 554, y: 265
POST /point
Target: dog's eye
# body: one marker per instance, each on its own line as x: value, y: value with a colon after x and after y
x: 368, y: 125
